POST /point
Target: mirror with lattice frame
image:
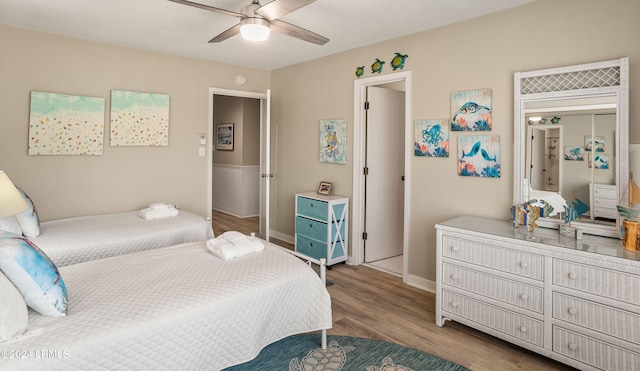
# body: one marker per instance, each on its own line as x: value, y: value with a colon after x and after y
x: 587, y: 89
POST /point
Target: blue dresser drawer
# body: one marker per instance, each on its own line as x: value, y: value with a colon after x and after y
x: 317, y: 230
x: 312, y: 208
x: 318, y: 249
x: 310, y: 247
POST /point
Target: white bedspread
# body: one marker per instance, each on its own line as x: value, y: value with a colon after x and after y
x: 78, y: 239
x: 175, y: 308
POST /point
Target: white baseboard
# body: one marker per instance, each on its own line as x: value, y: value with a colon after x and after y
x: 421, y: 283
x: 282, y: 237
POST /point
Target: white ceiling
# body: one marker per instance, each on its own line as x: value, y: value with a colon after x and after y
x: 164, y: 26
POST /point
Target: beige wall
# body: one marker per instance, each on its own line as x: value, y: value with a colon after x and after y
x: 244, y: 113
x: 123, y: 178
x: 479, y: 53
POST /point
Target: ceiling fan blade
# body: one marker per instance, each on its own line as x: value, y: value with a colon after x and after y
x: 297, y: 32
x: 279, y: 8
x: 209, y: 8
x: 226, y: 34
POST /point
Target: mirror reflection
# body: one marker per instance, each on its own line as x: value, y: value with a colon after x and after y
x: 570, y: 150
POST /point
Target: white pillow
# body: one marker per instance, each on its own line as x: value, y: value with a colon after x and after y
x: 33, y: 273
x: 29, y: 220
x: 13, y: 311
x: 10, y: 224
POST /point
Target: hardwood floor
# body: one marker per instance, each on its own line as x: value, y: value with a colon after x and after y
x: 373, y: 304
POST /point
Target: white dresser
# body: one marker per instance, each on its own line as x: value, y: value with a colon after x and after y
x: 576, y: 301
x: 603, y: 200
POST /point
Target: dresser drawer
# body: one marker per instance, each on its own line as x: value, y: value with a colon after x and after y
x: 318, y: 249
x: 605, y: 212
x: 498, y: 288
x: 594, y: 352
x: 312, y: 208
x: 595, y: 280
x: 317, y: 230
x: 605, y: 191
x: 496, y: 318
x: 611, y: 321
x: 496, y: 257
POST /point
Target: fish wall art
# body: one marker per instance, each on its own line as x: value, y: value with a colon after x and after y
x: 599, y: 161
x: 471, y: 110
x: 431, y: 138
x: 479, y: 155
x: 595, y: 145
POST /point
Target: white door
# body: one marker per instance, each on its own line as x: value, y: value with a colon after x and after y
x: 537, y: 166
x: 265, y: 164
x: 384, y: 184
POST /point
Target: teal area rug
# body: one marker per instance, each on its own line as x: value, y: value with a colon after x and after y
x: 303, y: 353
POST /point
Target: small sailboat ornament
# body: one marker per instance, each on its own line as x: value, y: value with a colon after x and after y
x: 631, y: 212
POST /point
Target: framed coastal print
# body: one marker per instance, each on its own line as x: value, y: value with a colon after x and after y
x: 224, y: 137
x: 61, y: 124
x: 573, y: 153
x: 471, y: 110
x: 333, y: 141
x: 479, y: 155
x: 139, y: 119
x: 431, y: 138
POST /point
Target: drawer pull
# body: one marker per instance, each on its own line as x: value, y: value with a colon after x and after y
x: 524, y: 297
x: 572, y: 311
x: 454, y: 248
x: 573, y: 346
x: 310, y: 225
x: 310, y: 205
x: 454, y: 304
x: 454, y: 276
x: 572, y: 276
x: 523, y: 329
x: 524, y: 264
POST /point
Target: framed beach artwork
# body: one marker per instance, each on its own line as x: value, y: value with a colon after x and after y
x: 139, y: 119
x: 595, y: 145
x: 61, y: 124
x: 573, y: 153
x: 479, y: 155
x: 333, y: 141
x: 599, y: 161
x: 431, y: 138
x: 224, y: 137
x: 471, y: 110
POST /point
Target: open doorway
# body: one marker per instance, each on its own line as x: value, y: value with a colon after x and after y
x: 237, y: 182
x: 365, y: 195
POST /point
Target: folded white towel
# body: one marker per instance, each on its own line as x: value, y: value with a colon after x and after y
x: 151, y: 214
x: 161, y: 206
x: 231, y: 245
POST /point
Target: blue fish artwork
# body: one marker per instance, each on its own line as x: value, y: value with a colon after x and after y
x: 473, y: 152
x: 487, y: 164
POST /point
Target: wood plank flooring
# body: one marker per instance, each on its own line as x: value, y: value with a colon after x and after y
x: 372, y: 304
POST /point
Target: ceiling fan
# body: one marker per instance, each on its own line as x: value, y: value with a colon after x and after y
x: 256, y: 20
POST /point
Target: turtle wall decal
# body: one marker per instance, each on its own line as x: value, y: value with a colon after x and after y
x: 376, y: 67
x: 359, y: 71
x: 398, y: 61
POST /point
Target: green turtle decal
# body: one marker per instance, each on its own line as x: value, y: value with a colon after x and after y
x: 377, y: 66
x: 398, y: 61
x: 359, y: 71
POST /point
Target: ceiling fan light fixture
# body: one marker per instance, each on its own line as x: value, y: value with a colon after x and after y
x: 254, y: 29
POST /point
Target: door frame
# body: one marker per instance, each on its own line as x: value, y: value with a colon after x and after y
x: 359, y: 147
x: 210, y: 134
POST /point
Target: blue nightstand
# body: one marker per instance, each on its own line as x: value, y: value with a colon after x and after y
x: 322, y: 226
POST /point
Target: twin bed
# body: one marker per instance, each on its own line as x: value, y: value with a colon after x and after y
x: 174, y: 307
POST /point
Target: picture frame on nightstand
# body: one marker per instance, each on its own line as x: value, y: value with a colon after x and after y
x: 324, y: 188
